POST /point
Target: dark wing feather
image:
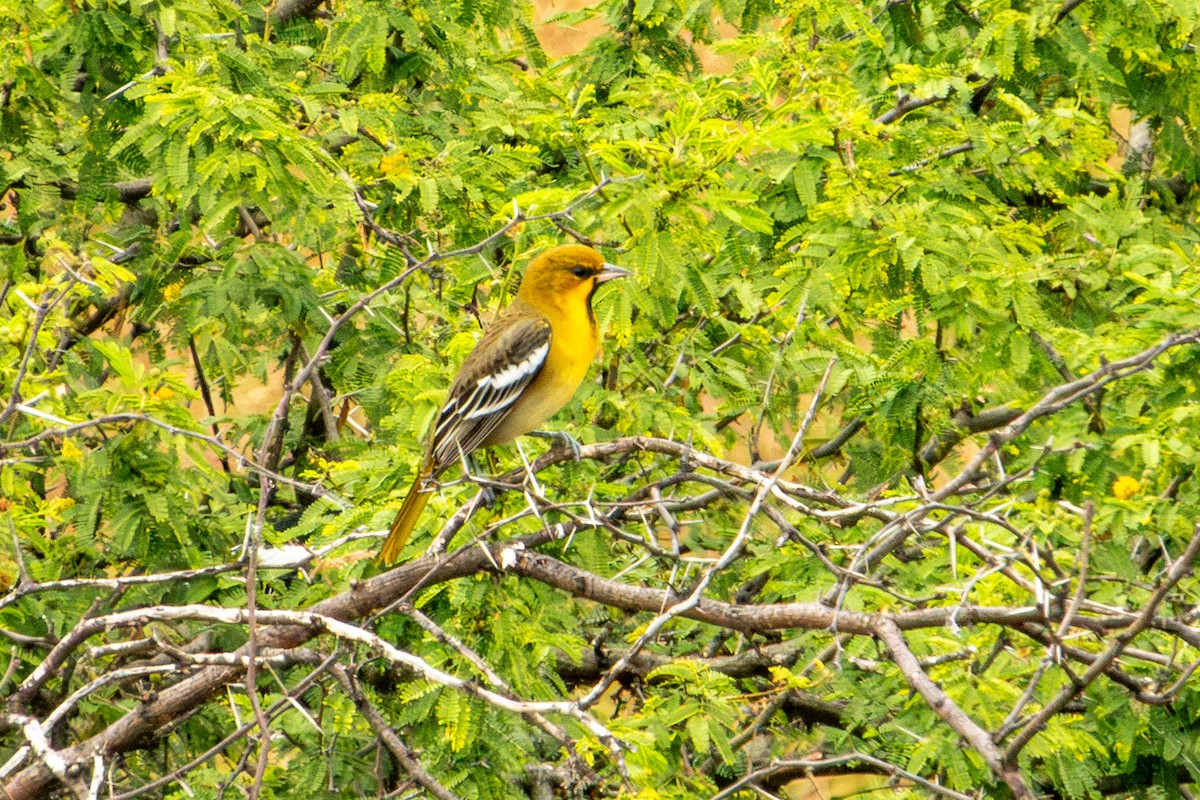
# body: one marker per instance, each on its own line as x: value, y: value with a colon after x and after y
x: 495, y: 374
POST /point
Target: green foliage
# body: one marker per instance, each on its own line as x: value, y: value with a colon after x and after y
x: 960, y: 205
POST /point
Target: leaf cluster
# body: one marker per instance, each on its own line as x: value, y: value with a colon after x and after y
x: 959, y: 206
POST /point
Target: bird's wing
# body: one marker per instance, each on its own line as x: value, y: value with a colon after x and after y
x: 495, y: 374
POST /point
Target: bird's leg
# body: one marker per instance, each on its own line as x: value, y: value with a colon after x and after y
x: 561, y: 439
x: 487, y: 494
x: 470, y: 468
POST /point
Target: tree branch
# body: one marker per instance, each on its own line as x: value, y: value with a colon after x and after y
x: 1180, y: 567
x: 949, y: 711
x: 391, y: 740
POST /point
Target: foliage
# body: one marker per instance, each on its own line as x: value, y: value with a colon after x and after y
x: 926, y: 216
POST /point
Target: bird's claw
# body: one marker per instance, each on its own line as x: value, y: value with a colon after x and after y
x: 561, y: 439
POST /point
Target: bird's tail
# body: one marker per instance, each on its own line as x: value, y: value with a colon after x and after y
x: 406, y: 519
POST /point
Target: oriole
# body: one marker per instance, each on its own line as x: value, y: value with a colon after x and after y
x: 527, y: 366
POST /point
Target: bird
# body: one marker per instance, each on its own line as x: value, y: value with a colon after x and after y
x: 526, y: 367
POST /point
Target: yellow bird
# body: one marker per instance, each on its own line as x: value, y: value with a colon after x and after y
x: 525, y: 368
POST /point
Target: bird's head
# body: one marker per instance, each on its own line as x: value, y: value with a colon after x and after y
x: 565, y: 275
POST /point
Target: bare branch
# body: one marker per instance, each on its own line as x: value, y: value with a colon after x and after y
x: 1180, y: 567
x: 283, y: 704
x: 780, y: 772
x: 731, y: 552
x: 314, y: 623
x: 892, y: 535
x: 44, y: 307
x: 907, y: 103
x: 391, y: 740
x: 493, y: 678
x: 68, y: 428
x: 949, y: 711
x: 1065, y: 11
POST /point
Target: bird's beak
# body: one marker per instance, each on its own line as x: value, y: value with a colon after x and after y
x: 611, y: 271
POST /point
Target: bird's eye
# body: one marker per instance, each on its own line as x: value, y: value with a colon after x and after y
x: 580, y: 272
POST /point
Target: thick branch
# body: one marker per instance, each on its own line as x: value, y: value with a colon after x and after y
x: 779, y: 773
x: 126, y: 191
x: 949, y: 711
x: 751, y: 618
x: 962, y: 424
x: 391, y: 740
x: 287, y: 10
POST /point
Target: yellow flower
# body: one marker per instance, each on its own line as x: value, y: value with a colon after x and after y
x: 171, y: 293
x: 1125, y: 487
x: 395, y: 166
x: 70, y: 450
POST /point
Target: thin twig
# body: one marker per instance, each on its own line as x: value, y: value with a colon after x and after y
x: 1180, y: 567
x: 68, y: 428
x: 732, y: 552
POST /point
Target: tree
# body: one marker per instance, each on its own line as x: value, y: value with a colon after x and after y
x: 888, y: 467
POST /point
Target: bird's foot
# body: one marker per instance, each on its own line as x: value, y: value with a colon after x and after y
x: 487, y: 495
x: 561, y: 439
